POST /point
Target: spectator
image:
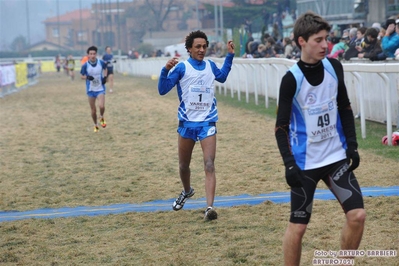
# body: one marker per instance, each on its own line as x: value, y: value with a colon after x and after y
x: 84, y: 59
x: 265, y: 37
x: 251, y: 48
x: 260, y: 52
x: 279, y: 48
x: 270, y: 49
x: 296, y: 52
x: 390, y: 42
x: 340, y: 47
x: 371, y: 46
x: 360, y: 35
x: 352, y: 50
x: 377, y: 26
x: 248, y: 25
x: 352, y: 37
x: 276, y: 32
x: 331, y: 41
x: 266, y: 18
x: 250, y: 39
x: 287, y: 47
x: 39, y: 66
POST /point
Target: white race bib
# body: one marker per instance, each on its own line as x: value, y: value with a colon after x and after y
x: 199, y: 98
x: 321, y: 121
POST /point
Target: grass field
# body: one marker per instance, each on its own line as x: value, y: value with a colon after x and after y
x: 50, y: 158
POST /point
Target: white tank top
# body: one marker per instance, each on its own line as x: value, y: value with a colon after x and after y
x: 96, y: 72
x: 197, y: 92
x: 316, y: 133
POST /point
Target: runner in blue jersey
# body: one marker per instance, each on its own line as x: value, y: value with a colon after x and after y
x: 316, y: 136
x: 94, y: 71
x: 108, y: 58
x: 197, y: 113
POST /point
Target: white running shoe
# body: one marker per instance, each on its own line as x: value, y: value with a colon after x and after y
x: 179, y: 202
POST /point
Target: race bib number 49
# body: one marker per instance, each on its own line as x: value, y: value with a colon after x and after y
x: 321, y: 121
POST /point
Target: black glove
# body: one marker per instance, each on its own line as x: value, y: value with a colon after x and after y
x: 114, y: 61
x: 103, y: 80
x: 293, y: 174
x: 352, y: 155
x: 90, y: 78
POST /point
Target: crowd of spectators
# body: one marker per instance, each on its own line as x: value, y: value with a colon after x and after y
x: 375, y: 43
x: 270, y: 46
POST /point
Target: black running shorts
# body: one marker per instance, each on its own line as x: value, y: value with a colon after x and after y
x: 342, y: 184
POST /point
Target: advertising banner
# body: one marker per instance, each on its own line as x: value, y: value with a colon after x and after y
x: 31, y: 70
x: 21, y: 74
x: 7, y: 75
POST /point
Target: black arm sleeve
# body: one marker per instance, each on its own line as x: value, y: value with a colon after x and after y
x: 286, y: 95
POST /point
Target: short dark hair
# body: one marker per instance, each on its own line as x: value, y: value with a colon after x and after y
x: 271, y: 40
x: 91, y: 48
x: 373, y: 32
x: 389, y: 22
x: 362, y: 30
x: 195, y: 34
x: 308, y: 24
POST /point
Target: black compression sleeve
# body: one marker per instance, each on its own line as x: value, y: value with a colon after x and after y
x: 286, y: 95
x: 348, y: 125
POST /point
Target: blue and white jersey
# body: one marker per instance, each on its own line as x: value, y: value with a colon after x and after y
x: 195, y: 87
x: 108, y: 58
x: 197, y: 96
x: 95, y: 70
x: 316, y: 134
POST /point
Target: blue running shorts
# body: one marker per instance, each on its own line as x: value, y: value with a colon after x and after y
x: 94, y: 94
x: 197, y: 133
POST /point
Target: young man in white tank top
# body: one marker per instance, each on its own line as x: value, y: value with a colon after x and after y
x: 315, y: 133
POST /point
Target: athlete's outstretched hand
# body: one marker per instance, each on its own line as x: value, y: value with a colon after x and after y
x: 103, y: 80
x: 352, y: 155
x: 230, y: 47
x: 171, y: 63
x: 293, y: 174
x: 90, y: 77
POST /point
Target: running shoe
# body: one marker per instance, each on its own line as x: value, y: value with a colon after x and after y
x: 179, y: 202
x: 210, y: 214
x: 102, y: 122
x: 95, y: 128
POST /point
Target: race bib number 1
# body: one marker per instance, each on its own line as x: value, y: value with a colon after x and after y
x: 199, y: 98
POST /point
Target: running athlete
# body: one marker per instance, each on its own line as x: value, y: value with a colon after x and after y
x: 316, y: 136
x: 94, y: 71
x: 71, y: 67
x: 108, y: 58
x: 197, y: 112
x: 57, y: 63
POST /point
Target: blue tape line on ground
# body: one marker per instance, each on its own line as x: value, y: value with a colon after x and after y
x: 166, y: 205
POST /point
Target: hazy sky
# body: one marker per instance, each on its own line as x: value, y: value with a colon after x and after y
x: 14, y: 22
